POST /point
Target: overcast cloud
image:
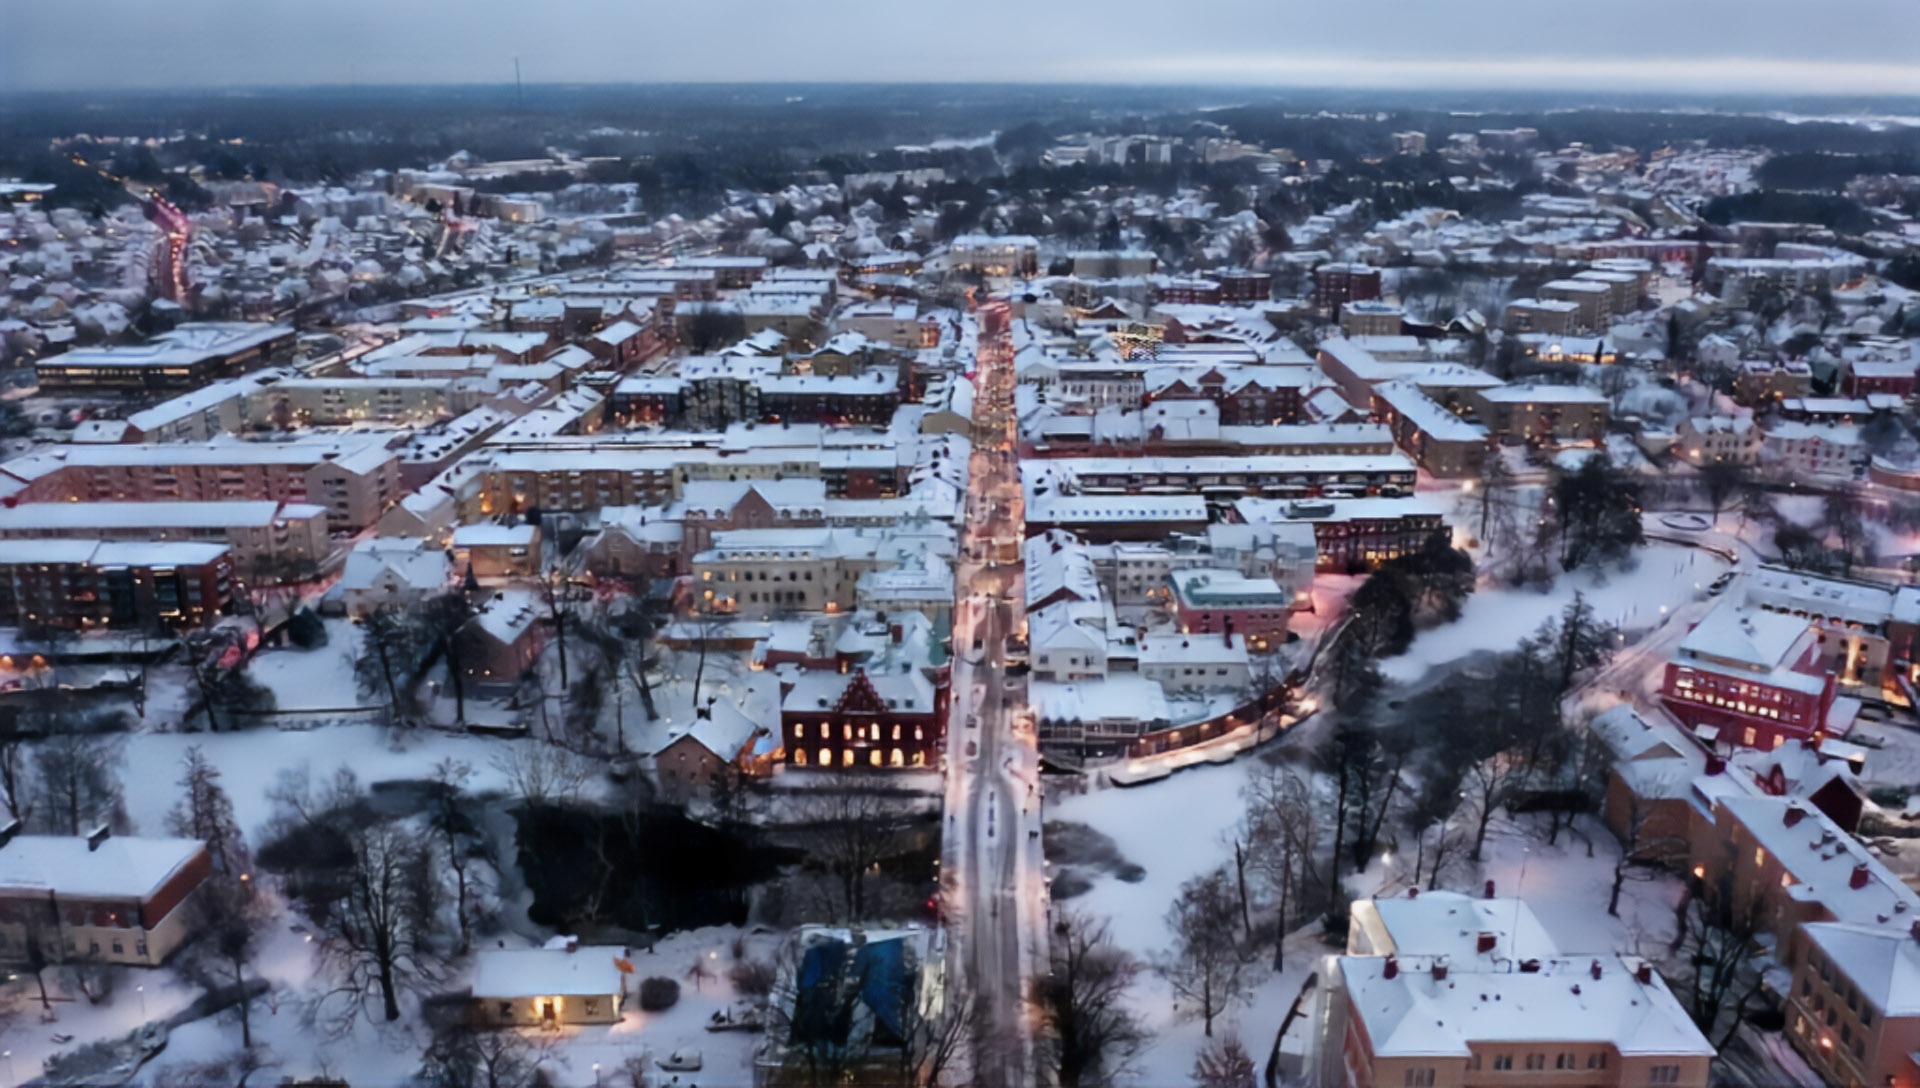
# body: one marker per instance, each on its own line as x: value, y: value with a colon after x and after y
x: 1844, y: 46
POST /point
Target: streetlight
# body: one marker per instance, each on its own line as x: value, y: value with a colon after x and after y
x: 142, y: 991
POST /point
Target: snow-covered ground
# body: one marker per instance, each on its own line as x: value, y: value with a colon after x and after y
x: 1175, y: 829
x: 1497, y: 617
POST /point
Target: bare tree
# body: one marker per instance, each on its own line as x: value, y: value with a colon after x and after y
x: 1280, y: 830
x: 1089, y: 1034
x: 1719, y: 481
x: 541, y: 774
x: 205, y: 812
x: 448, y: 816
x: 851, y: 829
x: 383, y: 668
x: 444, y: 621
x: 1643, y: 847
x: 931, y: 1036
x: 228, y: 914
x: 377, y: 931
x: 464, y: 1056
x: 78, y: 783
x: 16, y: 778
x: 1718, y: 972
x: 1207, y: 964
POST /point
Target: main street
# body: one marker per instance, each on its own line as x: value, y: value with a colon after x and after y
x: 993, y: 861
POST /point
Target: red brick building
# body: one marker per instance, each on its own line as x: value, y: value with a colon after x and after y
x: 1755, y: 678
x: 80, y: 584
x: 1341, y: 282
x: 832, y: 720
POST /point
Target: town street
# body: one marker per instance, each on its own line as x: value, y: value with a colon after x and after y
x: 995, y: 880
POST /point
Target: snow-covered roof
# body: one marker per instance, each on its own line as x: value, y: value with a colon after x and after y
x: 1750, y: 638
x: 122, y: 867
x: 1408, y: 1012
x: 1475, y: 934
x: 546, y: 972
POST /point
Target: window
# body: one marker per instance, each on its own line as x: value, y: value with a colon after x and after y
x: 140, y: 947
x: 119, y: 949
x: 1503, y: 1061
x: 1420, y: 1078
x: 506, y: 1010
x: 1663, y: 1074
x: 591, y: 1006
x: 1536, y: 1061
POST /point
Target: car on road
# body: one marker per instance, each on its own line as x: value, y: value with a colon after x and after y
x: 1720, y: 584
x: 972, y: 749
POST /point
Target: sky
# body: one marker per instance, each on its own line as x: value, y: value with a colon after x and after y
x: 1768, y: 46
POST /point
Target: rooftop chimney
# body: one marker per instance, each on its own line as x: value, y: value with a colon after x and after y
x: 1529, y: 967
x: 1643, y: 974
x: 1715, y: 765
x: 1859, y: 878
x: 1485, y: 943
x: 1794, y: 815
x: 1392, y: 969
x: 1440, y: 970
x: 1489, y: 892
x: 97, y: 836
x: 1595, y: 969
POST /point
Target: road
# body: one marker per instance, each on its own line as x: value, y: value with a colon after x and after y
x: 995, y: 880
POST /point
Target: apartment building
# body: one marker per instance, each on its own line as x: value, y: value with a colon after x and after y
x: 184, y: 358
x: 262, y: 536
x: 79, y: 584
x: 1536, y: 413
x: 355, y: 478
x: 1228, y: 603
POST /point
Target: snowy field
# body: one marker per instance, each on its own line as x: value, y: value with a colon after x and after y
x: 1498, y: 617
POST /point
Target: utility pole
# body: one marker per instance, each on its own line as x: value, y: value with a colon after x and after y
x: 519, y: 92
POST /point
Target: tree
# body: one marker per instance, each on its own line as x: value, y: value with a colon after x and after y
x: 930, y: 1038
x: 383, y: 666
x: 556, y: 591
x: 449, y: 818
x: 1576, y: 642
x: 16, y: 777
x: 464, y: 1056
x: 1718, y: 974
x: 1438, y: 578
x: 1088, y: 1032
x: 1380, y: 615
x: 542, y: 774
x: 1596, y: 513
x: 711, y: 327
x: 1642, y: 847
x: 444, y: 621
x: 852, y: 828
x: 224, y: 690
x: 1799, y: 547
x: 1856, y: 542
x: 1224, y: 1063
x: 1719, y: 481
x: 227, y: 918
x: 78, y: 785
x: 377, y: 929
x: 1365, y: 761
x: 1207, y: 963
x: 205, y: 813
x: 1280, y: 828
x: 1352, y: 673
